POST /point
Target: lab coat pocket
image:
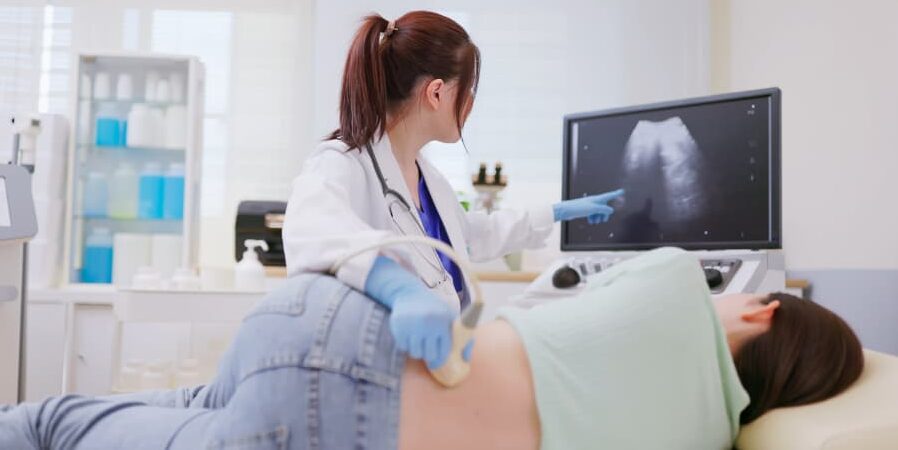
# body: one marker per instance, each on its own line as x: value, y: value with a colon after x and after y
x: 275, y: 439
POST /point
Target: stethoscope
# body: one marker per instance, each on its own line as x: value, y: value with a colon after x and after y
x: 407, y: 222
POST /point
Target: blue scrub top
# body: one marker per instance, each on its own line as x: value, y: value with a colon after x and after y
x: 433, y: 225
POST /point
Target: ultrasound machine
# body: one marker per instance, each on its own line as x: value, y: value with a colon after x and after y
x: 702, y: 174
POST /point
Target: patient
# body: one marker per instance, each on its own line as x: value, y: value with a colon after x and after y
x: 643, y: 358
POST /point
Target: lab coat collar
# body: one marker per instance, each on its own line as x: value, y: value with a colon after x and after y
x: 443, y: 196
x: 389, y: 167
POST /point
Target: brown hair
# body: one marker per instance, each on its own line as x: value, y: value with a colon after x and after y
x: 383, y: 67
x: 808, y: 355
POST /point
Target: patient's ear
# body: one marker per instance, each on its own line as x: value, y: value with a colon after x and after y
x: 761, y: 314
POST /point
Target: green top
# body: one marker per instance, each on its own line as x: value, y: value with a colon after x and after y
x: 638, y: 360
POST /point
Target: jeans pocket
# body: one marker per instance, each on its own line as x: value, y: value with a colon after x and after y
x: 276, y: 439
x: 288, y: 299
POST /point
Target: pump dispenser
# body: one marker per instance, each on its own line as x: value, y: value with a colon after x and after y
x: 250, y: 273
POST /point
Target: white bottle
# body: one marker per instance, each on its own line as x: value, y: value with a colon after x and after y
x: 163, y: 91
x: 123, y: 192
x: 157, y: 127
x: 102, y: 86
x: 149, y: 87
x: 124, y: 88
x: 185, y: 279
x: 139, y: 126
x: 249, y: 275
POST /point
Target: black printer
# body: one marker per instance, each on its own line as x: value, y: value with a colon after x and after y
x: 261, y: 220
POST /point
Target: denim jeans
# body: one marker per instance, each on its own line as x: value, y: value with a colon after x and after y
x: 312, y: 367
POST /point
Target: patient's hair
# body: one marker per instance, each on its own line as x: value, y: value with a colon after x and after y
x: 808, y: 355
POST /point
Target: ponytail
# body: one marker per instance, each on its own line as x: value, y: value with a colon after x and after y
x: 363, y: 99
x: 383, y: 67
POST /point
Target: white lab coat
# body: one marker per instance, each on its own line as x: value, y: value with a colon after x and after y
x: 337, y: 205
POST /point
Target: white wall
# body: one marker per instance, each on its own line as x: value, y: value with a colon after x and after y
x: 837, y: 64
x: 541, y: 60
x: 259, y: 84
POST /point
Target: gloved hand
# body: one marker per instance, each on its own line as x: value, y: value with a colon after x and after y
x: 421, y: 322
x: 595, y: 207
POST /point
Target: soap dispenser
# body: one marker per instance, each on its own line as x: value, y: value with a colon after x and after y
x: 250, y: 273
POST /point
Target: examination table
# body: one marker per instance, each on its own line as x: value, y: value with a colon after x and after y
x: 865, y: 417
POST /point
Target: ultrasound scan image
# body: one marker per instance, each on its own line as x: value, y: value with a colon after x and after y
x: 694, y: 174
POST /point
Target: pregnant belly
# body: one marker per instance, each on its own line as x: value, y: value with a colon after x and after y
x: 494, y: 408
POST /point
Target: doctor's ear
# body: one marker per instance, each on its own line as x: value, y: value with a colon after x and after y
x: 434, y: 91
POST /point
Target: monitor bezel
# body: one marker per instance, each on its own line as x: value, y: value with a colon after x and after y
x: 775, y: 241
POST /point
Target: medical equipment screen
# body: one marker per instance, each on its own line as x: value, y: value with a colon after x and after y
x: 5, y: 220
x: 698, y: 174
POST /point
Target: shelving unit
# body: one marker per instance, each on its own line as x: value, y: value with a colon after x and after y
x: 91, y: 155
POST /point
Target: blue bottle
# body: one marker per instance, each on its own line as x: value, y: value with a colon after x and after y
x: 173, y: 193
x: 96, y: 266
x: 108, y: 132
x: 123, y: 133
x: 149, y: 205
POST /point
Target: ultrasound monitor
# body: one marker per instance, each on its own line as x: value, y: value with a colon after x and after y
x: 700, y: 174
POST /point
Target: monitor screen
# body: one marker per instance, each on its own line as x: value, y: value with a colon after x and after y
x: 699, y: 173
x: 5, y: 220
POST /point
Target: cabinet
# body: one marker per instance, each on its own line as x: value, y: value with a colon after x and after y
x: 45, y: 350
x: 134, y: 165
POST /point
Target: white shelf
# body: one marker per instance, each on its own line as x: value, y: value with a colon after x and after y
x: 116, y: 149
x: 116, y: 102
x: 76, y: 293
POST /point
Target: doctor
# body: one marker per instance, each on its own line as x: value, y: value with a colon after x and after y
x: 406, y: 83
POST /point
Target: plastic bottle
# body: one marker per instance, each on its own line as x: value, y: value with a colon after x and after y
x: 139, y: 126
x: 146, y: 279
x: 173, y: 192
x: 124, y: 87
x: 123, y: 189
x: 163, y: 90
x: 150, y: 203
x: 185, y: 279
x: 96, y: 195
x: 97, y: 264
x: 157, y: 128
x: 102, y: 86
x: 149, y: 91
x: 249, y: 275
x: 109, y: 127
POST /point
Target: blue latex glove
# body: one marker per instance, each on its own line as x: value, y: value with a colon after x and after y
x: 421, y: 322
x: 595, y: 207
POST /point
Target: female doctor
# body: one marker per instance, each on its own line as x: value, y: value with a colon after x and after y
x: 405, y: 83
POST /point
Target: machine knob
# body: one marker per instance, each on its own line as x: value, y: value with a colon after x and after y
x: 713, y: 277
x: 565, y: 277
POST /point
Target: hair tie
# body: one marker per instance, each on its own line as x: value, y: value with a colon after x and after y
x: 391, y: 27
